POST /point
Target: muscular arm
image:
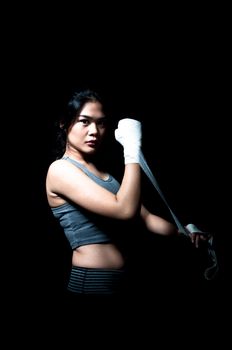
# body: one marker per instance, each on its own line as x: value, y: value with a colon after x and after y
x: 69, y: 182
x: 156, y: 224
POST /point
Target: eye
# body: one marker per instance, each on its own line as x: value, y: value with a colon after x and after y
x: 84, y: 121
x: 102, y: 123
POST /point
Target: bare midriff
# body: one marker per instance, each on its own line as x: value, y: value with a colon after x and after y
x: 104, y: 255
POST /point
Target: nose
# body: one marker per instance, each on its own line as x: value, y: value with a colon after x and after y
x: 93, y: 128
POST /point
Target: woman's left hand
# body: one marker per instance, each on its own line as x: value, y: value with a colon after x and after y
x: 196, y: 235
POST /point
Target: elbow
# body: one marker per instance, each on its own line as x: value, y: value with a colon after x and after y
x: 128, y: 213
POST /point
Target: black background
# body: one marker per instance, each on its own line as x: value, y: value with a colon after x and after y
x: 172, y: 73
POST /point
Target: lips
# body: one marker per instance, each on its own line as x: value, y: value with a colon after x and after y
x: 91, y: 143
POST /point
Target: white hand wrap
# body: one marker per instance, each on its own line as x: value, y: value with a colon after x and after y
x: 193, y: 229
x: 129, y: 135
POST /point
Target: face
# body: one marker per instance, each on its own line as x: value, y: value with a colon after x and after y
x: 86, y: 134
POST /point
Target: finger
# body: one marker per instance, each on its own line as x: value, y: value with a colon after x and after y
x: 203, y: 237
x: 192, y: 237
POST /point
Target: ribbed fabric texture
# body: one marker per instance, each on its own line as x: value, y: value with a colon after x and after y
x: 95, y: 281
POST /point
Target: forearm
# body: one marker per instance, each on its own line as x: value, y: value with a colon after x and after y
x: 158, y: 225
x: 128, y: 196
x: 128, y: 134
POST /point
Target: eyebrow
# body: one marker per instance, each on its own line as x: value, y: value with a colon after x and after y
x: 91, y: 118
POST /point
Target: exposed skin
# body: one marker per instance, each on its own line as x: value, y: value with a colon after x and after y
x: 67, y: 182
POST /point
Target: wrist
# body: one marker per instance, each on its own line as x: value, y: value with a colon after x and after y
x: 193, y: 228
x: 131, y: 155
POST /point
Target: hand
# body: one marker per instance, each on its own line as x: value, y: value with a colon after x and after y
x: 129, y: 135
x: 196, y: 235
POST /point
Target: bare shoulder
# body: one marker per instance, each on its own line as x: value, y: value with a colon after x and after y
x: 59, y: 167
x: 57, y: 164
x: 61, y: 175
x: 61, y: 171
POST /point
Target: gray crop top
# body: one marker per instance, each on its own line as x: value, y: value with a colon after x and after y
x: 81, y: 226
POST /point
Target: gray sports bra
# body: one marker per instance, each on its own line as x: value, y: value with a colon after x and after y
x: 81, y: 226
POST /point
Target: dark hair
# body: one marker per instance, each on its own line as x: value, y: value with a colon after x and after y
x: 73, y: 108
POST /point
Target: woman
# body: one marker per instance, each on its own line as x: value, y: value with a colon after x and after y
x: 90, y: 203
